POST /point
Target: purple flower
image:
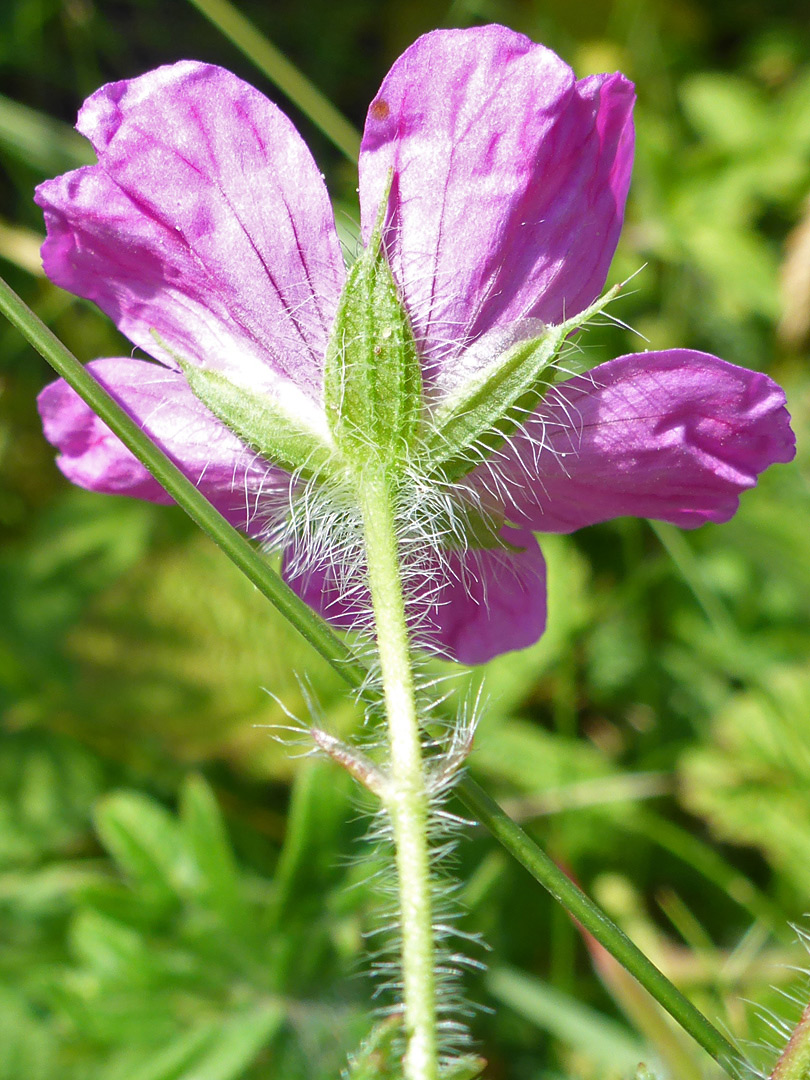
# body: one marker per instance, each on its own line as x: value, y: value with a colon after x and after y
x: 205, y: 232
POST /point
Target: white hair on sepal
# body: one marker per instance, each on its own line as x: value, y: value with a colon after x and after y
x: 319, y: 527
x: 570, y: 363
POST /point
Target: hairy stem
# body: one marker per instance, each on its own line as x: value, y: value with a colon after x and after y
x: 406, y: 796
x: 794, y: 1064
x: 351, y: 668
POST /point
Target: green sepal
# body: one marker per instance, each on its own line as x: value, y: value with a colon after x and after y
x: 260, y: 422
x: 466, y: 1068
x: 475, y: 420
x: 379, y: 1058
x: 473, y: 529
x: 372, y: 378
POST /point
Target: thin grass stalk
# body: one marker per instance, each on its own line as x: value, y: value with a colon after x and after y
x: 355, y: 673
x: 277, y: 68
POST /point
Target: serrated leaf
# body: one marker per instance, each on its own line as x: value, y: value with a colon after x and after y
x: 372, y: 377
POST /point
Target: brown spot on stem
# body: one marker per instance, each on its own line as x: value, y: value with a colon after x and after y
x: 379, y: 110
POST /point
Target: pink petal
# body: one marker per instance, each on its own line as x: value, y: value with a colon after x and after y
x: 673, y: 435
x: 494, y: 601
x: 509, y: 182
x: 470, y: 607
x: 206, y: 219
x: 230, y: 475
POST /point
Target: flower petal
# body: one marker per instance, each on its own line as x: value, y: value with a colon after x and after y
x: 492, y: 601
x: 229, y: 474
x: 471, y: 605
x: 509, y: 182
x: 206, y: 220
x: 673, y: 435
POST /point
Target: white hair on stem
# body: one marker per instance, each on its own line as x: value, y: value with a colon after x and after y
x: 318, y: 525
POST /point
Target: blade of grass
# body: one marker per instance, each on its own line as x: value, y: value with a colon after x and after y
x: 706, y: 861
x: 21, y: 247
x: 544, y: 870
x: 40, y: 141
x: 605, y: 1042
x: 235, y: 546
x: 676, y: 546
x: 278, y: 69
x: 351, y: 668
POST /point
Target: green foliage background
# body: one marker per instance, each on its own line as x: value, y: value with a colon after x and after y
x: 181, y: 897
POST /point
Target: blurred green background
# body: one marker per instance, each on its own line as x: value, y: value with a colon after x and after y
x: 181, y: 896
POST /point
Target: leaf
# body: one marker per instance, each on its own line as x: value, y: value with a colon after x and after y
x: 220, y: 1051
x: 728, y: 112
x: 317, y: 812
x: 27, y: 1049
x: 144, y: 840
x: 237, y: 1044
x: 110, y: 949
x: 184, y: 645
x: 207, y: 841
x: 40, y: 141
x: 605, y: 1042
x: 47, y: 787
x: 535, y: 760
x: 752, y: 781
x: 172, y: 1061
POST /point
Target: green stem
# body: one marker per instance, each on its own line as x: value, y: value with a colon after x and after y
x: 352, y: 670
x: 794, y: 1064
x: 406, y: 796
x: 595, y: 921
